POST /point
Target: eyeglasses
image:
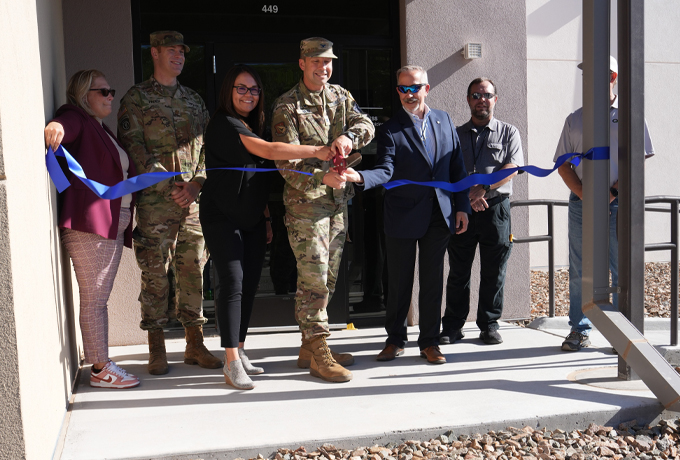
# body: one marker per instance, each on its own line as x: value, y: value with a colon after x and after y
x: 255, y: 91
x: 413, y: 88
x: 105, y: 91
x: 483, y: 95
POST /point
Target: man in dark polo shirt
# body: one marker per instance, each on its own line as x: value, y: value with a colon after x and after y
x: 488, y: 145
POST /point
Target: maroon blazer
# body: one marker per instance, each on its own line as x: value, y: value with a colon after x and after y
x: 80, y: 209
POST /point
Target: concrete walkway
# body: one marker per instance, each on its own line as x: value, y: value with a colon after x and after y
x: 191, y: 414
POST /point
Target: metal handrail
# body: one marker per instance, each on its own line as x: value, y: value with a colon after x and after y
x: 672, y: 246
x: 551, y: 244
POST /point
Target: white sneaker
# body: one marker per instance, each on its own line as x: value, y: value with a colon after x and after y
x: 112, y: 376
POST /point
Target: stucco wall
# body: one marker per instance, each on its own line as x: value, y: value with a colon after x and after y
x: 436, y: 32
x: 554, y: 43
x: 31, y: 259
x: 11, y: 430
x: 109, y: 49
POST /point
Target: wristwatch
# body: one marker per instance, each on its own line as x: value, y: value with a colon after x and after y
x: 614, y: 191
x: 350, y: 135
x: 486, y: 188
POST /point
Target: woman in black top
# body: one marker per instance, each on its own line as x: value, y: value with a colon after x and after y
x: 233, y: 205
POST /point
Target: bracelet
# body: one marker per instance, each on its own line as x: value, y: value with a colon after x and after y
x: 614, y: 191
x: 267, y: 219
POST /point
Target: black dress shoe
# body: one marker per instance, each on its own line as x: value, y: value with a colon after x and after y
x: 390, y: 352
x: 491, y: 337
x: 450, y: 336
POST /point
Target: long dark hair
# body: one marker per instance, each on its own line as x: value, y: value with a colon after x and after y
x: 255, y: 119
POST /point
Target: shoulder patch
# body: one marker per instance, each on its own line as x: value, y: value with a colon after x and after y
x: 280, y: 128
x: 124, y: 123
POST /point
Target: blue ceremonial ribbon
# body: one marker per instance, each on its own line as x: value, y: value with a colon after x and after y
x: 596, y: 153
x: 142, y: 181
x: 131, y: 185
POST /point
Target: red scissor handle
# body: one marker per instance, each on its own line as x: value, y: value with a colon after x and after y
x: 340, y: 163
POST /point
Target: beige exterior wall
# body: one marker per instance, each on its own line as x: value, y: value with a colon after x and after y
x: 33, y: 282
x: 109, y: 49
x: 433, y: 35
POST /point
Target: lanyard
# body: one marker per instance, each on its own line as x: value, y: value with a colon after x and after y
x: 475, y: 153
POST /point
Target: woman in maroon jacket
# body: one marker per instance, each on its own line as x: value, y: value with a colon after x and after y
x: 94, y: 230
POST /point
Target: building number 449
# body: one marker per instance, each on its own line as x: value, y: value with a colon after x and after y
x: 270, y: 8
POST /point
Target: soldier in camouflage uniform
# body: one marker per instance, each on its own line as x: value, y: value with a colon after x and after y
x: 317, y: 113
x: 161, y: 123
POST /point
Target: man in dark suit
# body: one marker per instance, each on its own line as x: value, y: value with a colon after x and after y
x: 418, y: 144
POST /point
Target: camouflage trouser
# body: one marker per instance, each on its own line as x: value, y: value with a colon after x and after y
x: 316, y: 235
x: 167, y: 234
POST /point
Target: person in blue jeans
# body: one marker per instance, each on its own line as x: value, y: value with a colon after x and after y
x: 571, y: 141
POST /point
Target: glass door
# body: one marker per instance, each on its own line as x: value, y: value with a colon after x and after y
x: 277, y: 65
x: 268, y: 38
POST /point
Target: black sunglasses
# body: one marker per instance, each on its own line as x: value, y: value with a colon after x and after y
x: 412, y: 88
x: 486, y: 96
x: 255, y: 91
x: 105, y: 91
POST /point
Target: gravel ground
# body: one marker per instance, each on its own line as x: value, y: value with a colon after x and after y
x: 657, y: 291
x: 627, y: 441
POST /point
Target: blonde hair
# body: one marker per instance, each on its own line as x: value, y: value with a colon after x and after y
x: 78, y: 87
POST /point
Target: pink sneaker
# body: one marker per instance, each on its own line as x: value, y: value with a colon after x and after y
x: 112, y: 376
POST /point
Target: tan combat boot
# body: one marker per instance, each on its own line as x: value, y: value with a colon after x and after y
x: 158, y: 360
x: 196, y: 352
x: 305, y: 356
x: 323, y: 365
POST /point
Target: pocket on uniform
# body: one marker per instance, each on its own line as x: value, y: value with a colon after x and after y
x: 148, y: 253
x: 497, y: 151
x: 311, y: 127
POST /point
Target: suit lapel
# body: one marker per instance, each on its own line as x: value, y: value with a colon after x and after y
x: 412, y: 134
x: 438, y: 136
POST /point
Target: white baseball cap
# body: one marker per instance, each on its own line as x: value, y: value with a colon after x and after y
x: 613, y: 65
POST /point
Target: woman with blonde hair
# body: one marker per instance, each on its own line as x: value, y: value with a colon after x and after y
x: 93, y: 230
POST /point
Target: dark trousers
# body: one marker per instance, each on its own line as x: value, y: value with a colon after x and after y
x: 490, y: 229
x: 238, y: 256
x: 401, y: 260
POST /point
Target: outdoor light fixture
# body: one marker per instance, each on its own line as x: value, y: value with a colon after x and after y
x: 472, y: 51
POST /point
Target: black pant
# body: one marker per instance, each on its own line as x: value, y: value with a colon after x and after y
x: 282, y: 263
x: 491, y: 230
x: 401, y: 260
x: 238, y: 256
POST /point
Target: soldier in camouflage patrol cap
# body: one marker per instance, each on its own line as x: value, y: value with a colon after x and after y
x: 314, y: 112
x: 168, y: 38
x: 161, y: 123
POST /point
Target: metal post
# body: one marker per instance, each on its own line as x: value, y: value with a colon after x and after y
x: 551, y: 263
x: 654, y: 370
x: 631, y: 217
x: 674, y: 273
x: 596, y: 103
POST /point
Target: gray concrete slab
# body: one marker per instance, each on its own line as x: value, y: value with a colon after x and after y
x: 190, y: 413
x: 657, y: 332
